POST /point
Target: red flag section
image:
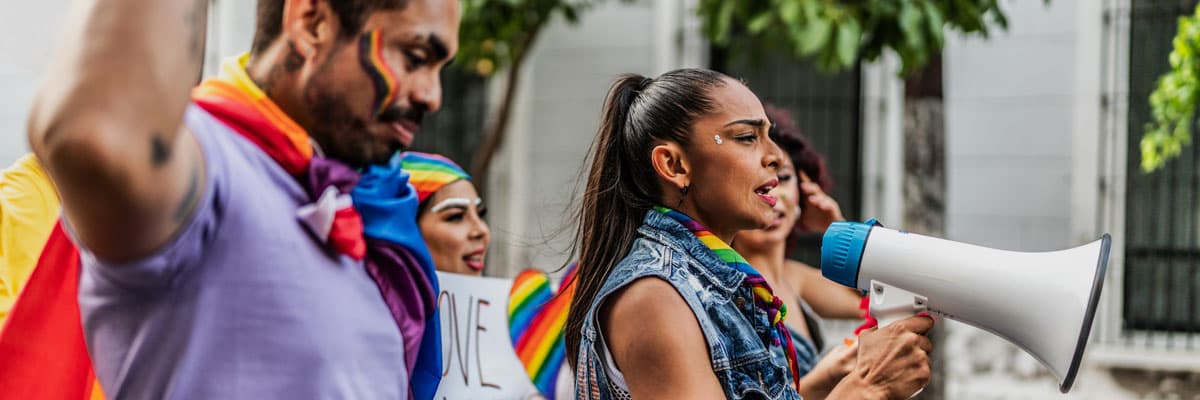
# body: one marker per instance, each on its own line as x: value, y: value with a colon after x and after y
x: 42, y: 349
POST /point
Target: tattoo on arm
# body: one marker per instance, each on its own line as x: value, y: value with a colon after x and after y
x: 191, y: 197
x: 160, y: 152
x: 293, y: 61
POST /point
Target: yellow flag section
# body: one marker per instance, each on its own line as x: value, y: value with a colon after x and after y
x: 42, y: 351
x: 29, y: 208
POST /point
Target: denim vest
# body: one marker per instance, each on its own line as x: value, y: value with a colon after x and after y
x: 746, y: 365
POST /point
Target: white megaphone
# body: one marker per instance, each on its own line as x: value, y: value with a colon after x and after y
x: 1042, y: 302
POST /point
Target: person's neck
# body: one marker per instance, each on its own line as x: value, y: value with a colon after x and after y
x: 717, y: 230
x: 268, y: 70
x: 768, y: 260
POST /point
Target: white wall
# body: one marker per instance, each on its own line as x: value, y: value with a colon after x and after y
x: 29, y: 32
x: 1022, y: 127
x: 883, y: 140
x: 230, y: 31
x: 1008, y: 130
x: 563, y: 89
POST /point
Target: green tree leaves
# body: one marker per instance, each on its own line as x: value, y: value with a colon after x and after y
x: 837, y: 33
x: 1173, y: 102
x: 496, y: 33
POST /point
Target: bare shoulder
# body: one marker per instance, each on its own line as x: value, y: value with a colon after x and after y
x: 643, y: 308
x: 828, y: 298
x: 794, y: 263
x: 797, y: 273
x: 649, y: 293
x: 657, y: 342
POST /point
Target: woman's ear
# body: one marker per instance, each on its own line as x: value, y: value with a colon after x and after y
x: 671, y: 164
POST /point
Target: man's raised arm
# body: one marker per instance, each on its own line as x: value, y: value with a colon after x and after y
x: 107, y: 122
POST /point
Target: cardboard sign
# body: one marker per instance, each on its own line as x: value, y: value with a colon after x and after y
x: 478, y: 360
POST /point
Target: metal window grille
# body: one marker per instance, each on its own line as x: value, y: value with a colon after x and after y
x: 1161, y: 285
x: 457, y: 129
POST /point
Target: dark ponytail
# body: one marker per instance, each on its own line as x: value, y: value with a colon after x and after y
x: 621, y: 183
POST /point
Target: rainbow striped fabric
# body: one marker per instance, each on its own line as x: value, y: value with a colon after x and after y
x: 42, y: 349
x: 764, y: 297
x: 537, y: 319
x: 429, y: 172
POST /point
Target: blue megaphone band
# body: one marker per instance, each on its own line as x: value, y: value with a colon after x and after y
x: 842, y: 250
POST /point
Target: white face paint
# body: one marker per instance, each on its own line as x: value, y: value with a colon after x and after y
x: 455, y: 202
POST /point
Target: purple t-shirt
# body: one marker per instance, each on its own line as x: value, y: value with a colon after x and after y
x: 244, y: 303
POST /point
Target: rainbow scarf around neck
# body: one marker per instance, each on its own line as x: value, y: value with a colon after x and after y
x: 373, y: 213
x: 764, y: 297
x: 237, y: 101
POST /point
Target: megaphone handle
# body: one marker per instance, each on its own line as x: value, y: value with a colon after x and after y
x: 890, y: 304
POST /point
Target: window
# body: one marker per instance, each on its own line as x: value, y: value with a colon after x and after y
x: 1150, y: 312
x: 1161, y: 289
x: 457, y: 129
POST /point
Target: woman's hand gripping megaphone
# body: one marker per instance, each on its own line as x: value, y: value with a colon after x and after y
x: 893, y: 360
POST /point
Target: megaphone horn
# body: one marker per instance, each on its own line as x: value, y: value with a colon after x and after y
x: 1042, y: 302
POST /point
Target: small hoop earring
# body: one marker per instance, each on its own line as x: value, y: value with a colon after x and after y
x: 682, y: 193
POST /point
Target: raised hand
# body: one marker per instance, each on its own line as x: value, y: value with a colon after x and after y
x: 818, y: 209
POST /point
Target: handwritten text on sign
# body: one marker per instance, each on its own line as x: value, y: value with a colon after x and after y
x: 477, y: 354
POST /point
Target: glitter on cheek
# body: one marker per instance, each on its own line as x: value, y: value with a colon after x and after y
x: 372, y: 61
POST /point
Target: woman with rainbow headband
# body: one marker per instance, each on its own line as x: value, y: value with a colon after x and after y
x: 450, y: 214
x: 451, y: 220
x: 663, y: 307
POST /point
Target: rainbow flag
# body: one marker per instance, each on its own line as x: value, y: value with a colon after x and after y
x: 42, y: 350
x: 537, y: 319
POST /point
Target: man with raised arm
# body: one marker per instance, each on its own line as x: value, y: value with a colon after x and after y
x: 251, y: 237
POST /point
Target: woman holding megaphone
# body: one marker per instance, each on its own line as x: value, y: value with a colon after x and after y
x: 802, y: 206
x: 664, y: 308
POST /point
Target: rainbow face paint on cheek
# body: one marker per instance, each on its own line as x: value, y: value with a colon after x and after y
x: 370, y: 52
